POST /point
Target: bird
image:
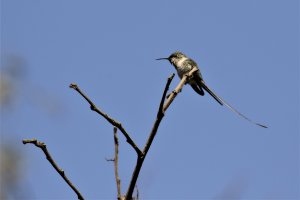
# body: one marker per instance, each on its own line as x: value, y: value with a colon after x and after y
x: 183, y: 64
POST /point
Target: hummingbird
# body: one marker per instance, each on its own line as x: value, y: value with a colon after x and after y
x: 183, y: 65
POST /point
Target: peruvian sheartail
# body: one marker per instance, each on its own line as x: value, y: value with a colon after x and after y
x: 183, y: 65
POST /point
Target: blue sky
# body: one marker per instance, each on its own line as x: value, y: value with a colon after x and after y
x: 248, y: 53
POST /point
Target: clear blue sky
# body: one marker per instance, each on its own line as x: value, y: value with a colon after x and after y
x: 248, y: 52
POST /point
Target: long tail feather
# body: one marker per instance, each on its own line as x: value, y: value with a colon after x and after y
x: 222, y: 102
x: 218, y: 99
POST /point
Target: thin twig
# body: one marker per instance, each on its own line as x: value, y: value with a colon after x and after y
x: 140, y: 160
x: 178, y: 89
x: 116, y: 163
x: 160, y: 114
x: 108, y: 118
x: 163, y: 98
x: 110, y: 159
x: 61, y: 172
x: 137, y: 193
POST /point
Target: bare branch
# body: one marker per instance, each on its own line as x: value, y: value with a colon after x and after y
x: 61, y: 172
x: 137, y: 193
x: 140, y: 160
x: 116, y: 163
x: 108, y: 118
x: 178, y: 89
x: 140, y: 154
x: 161, y: 110
x: 160, y: 115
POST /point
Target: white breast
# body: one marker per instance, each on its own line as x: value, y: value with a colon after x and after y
x: 181, y: 68
x: 180, y: 62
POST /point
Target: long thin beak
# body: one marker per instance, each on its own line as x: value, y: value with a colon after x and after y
x: 162, y: 59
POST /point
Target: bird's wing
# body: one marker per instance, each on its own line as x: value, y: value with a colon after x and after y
x: 197, y: 89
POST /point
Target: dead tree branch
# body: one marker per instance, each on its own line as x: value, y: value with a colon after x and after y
x: 116, y: 163
x: 178, y: 89
x: 140, y: 160
x: 108, y: 118
x: 160, y: 114
x: 61, y: 172
x: 141, y: 155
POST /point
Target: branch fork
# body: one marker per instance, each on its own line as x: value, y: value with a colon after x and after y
x: 165, y: 102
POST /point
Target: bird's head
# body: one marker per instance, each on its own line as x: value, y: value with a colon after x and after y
x: 174, y: 58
